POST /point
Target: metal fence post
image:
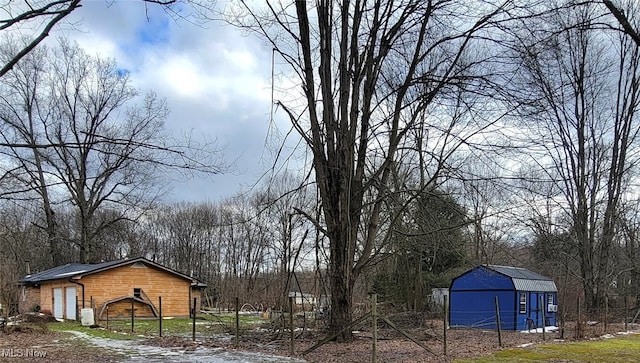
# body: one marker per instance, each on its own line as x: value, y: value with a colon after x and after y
x: 498, y: 322
x: 160, y: 314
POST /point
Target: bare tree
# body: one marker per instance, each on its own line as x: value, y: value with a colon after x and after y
x: 629, y: 258
x: 78, y: 144
x: 627, y: 27
x: 281, y: 202
x: 586, y: 98
x: 368, y: 71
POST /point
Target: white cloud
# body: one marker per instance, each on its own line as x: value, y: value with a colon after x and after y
x: 179, y: 74
x: 242, y: 59
x: 98, y: 45
x: 216, y: 81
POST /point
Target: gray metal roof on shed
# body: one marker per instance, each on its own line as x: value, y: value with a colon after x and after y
x: 525, y: 280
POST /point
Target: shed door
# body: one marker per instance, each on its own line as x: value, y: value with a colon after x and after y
x: 57, y: 303
x: 70, y: 303
x: 538, y: 305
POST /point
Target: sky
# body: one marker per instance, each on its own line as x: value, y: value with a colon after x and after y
x: 215, y: 79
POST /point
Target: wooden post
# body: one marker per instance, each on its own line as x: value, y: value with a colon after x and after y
x: 160, y: 315
x: 445, y: 322
x: 107, y: 317
x: 498, y: 321
x: 374, y: 327
x: 237, y: 341
x: 606, y: 312
x: 292, y: 349
x: 635, y: 317
x: 626, y: 314
x: 544, y: 318
x: 194, y: 320
x: 562, y: 318
x: 578, y: 321
x: 132, y: 313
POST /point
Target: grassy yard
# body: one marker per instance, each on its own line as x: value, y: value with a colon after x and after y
x: 205, y: 325
x: 621, y: 349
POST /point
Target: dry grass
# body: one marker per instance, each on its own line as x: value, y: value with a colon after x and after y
x: 464, y: 345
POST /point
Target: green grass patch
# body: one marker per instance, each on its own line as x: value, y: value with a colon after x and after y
x: 95, y: 332
x: 121, y: 329
x: 615, y: 350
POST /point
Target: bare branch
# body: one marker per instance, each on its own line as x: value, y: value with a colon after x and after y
x: 624, y: 22
x: 43, y: 34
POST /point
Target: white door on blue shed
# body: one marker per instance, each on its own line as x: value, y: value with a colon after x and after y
x: 57, y: 303
x: 70, y: 303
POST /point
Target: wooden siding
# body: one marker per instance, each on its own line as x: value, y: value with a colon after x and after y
x: 122, y: 309
x: 121, y: 281
x: 196, y: 293
x: 177, y: 293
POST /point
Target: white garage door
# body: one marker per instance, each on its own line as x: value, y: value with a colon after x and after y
x: 57, y: 303
x: 70, y: 303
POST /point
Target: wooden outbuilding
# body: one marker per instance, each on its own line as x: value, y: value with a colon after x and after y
x: 111, y: 288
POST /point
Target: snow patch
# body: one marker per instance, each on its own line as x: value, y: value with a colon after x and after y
x: 547, y: 329
x: 137, y: 352
x: 525, y: 345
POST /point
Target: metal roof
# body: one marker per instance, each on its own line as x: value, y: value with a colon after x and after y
x: 534, y: 285
x: 77, y: 270
x: 525, y: 280
x: 67, y: 270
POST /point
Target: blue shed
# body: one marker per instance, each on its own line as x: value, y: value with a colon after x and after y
x: 522, y: 296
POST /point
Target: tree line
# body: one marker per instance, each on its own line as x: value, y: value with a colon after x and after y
x: 440, y: 134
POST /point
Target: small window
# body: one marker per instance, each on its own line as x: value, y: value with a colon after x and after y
x: 551, y: 307
x: 523, y: 303
x: 137, y: 292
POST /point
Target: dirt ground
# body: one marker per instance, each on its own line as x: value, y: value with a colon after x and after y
x: 393, y: 347
x: 39, y: 345
x: 26, y: 344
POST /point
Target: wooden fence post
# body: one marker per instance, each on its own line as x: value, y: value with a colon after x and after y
x: 578, y: 335
x: 132, y: 313
x: 374, y: 327
x: 606, y: 312
x: 237, y: 341
x: 498, y: 322
x: 292, y: 349
x: 544, y: 318
x: 194, y: 319
x: 626, y: 314
x: 445, y: 321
